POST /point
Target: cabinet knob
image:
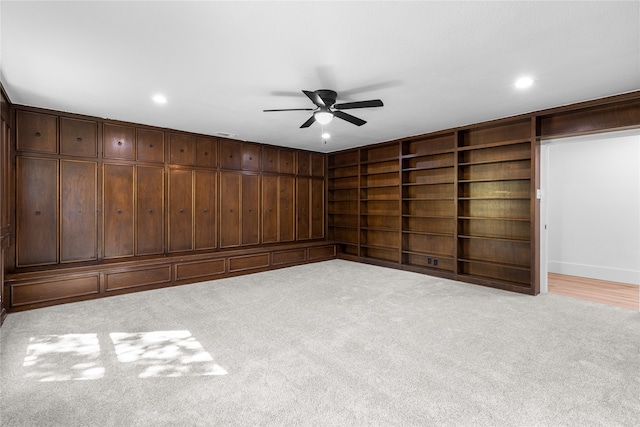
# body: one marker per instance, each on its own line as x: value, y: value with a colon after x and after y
x: 119, y: 211
x: 206, y: 210
x: 38, y: 134
x: 182, y: 150
x: 150, y: 145
x: 270, y: 210
x: 119, y: 142
x: 79, y: 139
x: 150, y: 210
x: 250, y: 210
x: 38, y: 212
x: 230, y: 210
x: 181, y: 210
x: 250, y: 158
x: 231, y: 156
x: 206, y: 153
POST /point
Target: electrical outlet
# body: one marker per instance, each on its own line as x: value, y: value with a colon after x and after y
x: 435, y: 261
x: 428, y: 260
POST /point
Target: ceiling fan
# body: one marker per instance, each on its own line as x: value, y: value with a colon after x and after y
x: 327, y: 109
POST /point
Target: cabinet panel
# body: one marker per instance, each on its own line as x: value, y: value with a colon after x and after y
x: 317, y: 208
x: 150, y: 145
x: 303, y: 202
x: 150, y: 210
x: 230, y: 154
x: 286, y: 161
x: 317, y: 164
x: 206, y: 152
x: 304, y: 163
x: 230, y: 209
x: 36, y: 132
x: 118, y: 215
x: 250, y: 156
x: 78, y: 137
x: 250, y: 209
x: 142, y: 277
x: 79, y: 198
x: 180, y: 210
x: 269, y: 209
x: 182, y: 149
x: 286, y: 208
x: 270, y: 159
x: 117, y: 142
x: 36, y: 211
x: 206, y: 188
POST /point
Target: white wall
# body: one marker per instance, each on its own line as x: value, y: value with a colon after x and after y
x: 593, y: 206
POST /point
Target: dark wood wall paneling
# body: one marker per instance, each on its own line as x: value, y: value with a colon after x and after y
x: 117, y: 196
x: 6, y: 199
x: 459, y: 203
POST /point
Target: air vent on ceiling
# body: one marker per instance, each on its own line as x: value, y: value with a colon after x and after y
x: 226, y: 134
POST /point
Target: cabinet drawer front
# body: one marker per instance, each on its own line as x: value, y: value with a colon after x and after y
x: 322, y: 252
x: 192, y: 270
x: 182, y: 149
x: 52, y: 290
x: 132, y: 279
x: 289, y: 257
x: 248, y: 262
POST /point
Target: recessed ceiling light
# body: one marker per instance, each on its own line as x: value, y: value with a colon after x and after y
x: 524, y: 82
x: 159, y: 99
x: 326, y: 135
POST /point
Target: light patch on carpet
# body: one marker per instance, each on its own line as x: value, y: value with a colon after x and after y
x: 63, y: 358
x: 164, y: 354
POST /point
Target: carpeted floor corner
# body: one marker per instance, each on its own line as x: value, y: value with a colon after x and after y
x: 334, y: 343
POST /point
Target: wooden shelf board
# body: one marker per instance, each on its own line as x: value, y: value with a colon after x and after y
x: 427, y: 168
x: 497, y: 264
x: 503, y: 239
x: 494, y: 218
x: 489, y: 162
x: 463, y: 181
x: 426, y: 233
x: 493, y: 144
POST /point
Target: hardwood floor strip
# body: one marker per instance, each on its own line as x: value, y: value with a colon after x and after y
x: 602, y: 291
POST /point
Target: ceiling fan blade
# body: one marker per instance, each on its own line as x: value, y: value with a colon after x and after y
x: 315, y: 98
x: 308, y: 122
x: 359, y: 104
x: 348, y: 117
x: 290, y: 109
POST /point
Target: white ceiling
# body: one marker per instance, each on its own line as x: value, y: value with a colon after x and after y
x: 435, y: 65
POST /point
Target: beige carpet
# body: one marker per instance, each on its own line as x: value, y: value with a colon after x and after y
x: 328, y: 344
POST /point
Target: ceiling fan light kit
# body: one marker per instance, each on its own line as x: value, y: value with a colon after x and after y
x: 326, y: 108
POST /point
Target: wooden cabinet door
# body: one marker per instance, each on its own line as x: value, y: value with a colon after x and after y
x: 303, y: 203
x: 182, y: 149
x: 150, y: 210
x: 117, y: 142
x: 250, y: 209
x: 317, y: 208
x: 36, y: 211
x: 78, y: 205
x: 180, y: 210
x: 206, y: 152
x: 270, y: 159
x: 250, y: 156
x: 78, y: 137
x: 304, y: 163
x: 286, y: 208
x: 36, y: 132
x: 118, y: 210
x: 270, y: 215
x: 150, y: 145
x: 230, y: 184
x: 206, y: 192
x: 286, y: 162
x: 317, y: 164
x: 230, y: 154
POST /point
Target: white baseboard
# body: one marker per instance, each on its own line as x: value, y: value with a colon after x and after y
x: 596, y: 272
